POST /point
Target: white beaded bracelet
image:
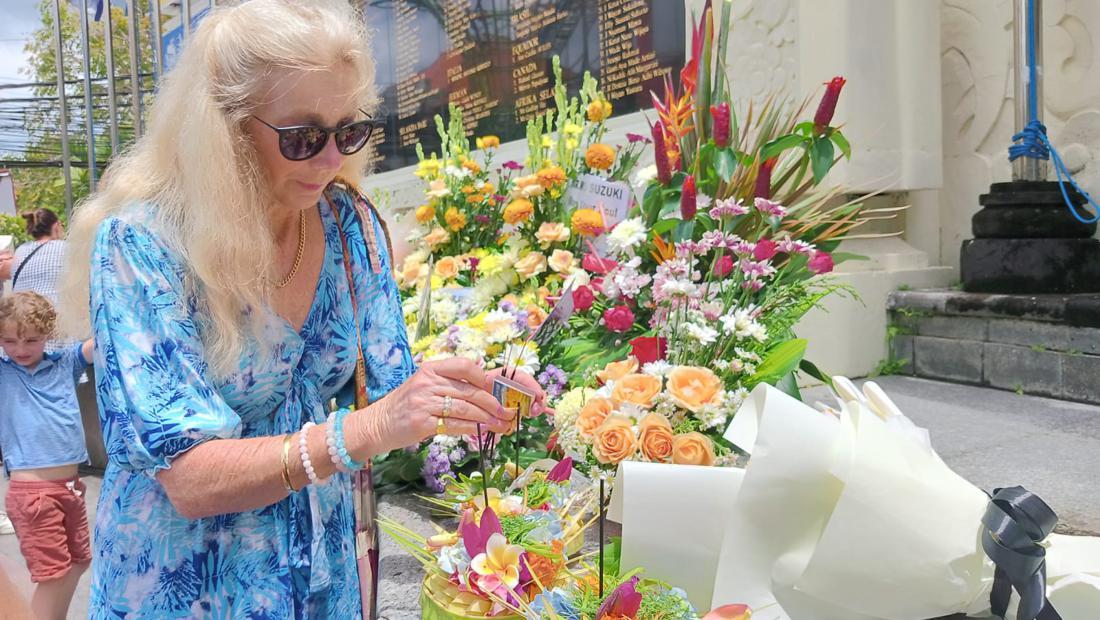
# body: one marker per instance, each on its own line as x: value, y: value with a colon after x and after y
x: 330, y: 443
x: 303, y: 450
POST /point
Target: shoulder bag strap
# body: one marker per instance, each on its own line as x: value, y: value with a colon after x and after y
x: 25, y: 261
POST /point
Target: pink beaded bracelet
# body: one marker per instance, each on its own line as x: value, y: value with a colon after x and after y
x: 303, y: 450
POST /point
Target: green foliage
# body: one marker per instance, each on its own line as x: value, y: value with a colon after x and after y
x: 889, y: 367
x: 15, y: 226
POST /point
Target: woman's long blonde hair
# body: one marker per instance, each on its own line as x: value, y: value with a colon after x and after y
x: 196, y: 167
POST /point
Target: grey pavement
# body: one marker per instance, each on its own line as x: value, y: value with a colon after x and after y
x: 992, y: 438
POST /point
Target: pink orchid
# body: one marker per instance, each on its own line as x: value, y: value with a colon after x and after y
x: 562, y: 471
x: 624, y: 602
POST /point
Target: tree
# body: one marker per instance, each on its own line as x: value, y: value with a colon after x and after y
x: 45, y: 187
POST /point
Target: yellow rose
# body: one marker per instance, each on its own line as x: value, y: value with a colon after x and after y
x: 600, y: 157
x: 587, y: 222
x: 599, y: 110
x: 519, y: 210
x: 614, y: 441
x: 592, y: 415
x: 617, y: 370
x: 636, y: 389
x: 425, y: 214
x: 535, y: 316
x: 655, y: 437
x: 561, y: 261
x: 531, y: 265
x: 456, y: 220
x: 692, y: 449
x: 691, y: 387
x: 551, y: 176
x: 552, y: 232
x: 447, y: 267
x: 438, y: 236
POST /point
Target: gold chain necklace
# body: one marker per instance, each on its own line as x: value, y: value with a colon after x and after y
x: 301, y: 251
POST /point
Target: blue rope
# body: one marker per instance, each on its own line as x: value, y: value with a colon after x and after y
x: 1032, y: 141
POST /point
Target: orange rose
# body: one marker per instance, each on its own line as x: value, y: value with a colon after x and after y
x: 691, y: 387
x: 561, y: 261
x: 692, y: 449
x: 412, y: 271
x: 592, y: 415
x: 535, y: 316
x: 531, y: 265
x: 519, y: 210
x: 600, y: 157
x: 636, y: 389
x: 617, y: 370
x: 447, y: 267
x: 614, y: 440
x: 551, y: 176
x: 436, y: 237
x: 655, y: 436
x: 550, y: 232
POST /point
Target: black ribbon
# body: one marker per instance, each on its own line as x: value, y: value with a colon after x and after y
x: 1016, y: 522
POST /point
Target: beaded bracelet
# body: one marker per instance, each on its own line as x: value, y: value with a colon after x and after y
x: 330, y: 442
x: 303, y: 451
x: 338, y: 434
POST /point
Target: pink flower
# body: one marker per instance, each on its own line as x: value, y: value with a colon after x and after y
x: 730, y: 207
x: 792, y: 246
x: 624, y: 602
x: 634, y: 138
x: 769, y: 207
x: 561, y: 471
x: 618, y: 319
x: 752, y: 285
x: 583, y: 298
x: 647, y: 349
x: 512, y: 165
x: 689, y: 202
x: 765, y: 249
x: 723, y: 265
x: 821, y: 262
x: 597, y: 264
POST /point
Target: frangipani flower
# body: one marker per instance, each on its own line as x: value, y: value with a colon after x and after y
x: 499, y: 564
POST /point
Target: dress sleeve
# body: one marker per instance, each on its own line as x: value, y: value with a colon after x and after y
x: 386, y: 348
x: 155, y: 395
x: 76, y: 360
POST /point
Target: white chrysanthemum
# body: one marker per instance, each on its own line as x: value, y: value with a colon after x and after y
x: 702, y: 334
x: 758, y: 332
x: 644, y: 175
x: 720, y: 364
x: 444, y: 310
x: 569, y: 406
x: 659, y: 368
x: 500, y: 326
x: 627, y: 234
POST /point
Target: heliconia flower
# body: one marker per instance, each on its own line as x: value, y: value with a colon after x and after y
x: 723, y: 265
x: 624, y: 602
x: 689, y: 202
x: 821, y: 262
x: 648, y: 349
x: 562, y: 471
x: 660, y: 152
x: 763, y: 188
x: 720, y: 114
x: 827, y: 107
x: 765, y: 249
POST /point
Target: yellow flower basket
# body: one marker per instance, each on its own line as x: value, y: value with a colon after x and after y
x: 441, y: 600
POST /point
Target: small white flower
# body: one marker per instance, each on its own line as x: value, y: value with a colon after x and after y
x: 627, y: 234
x: 659, y: 368
x: 703, y: 334
x: 644, y: 175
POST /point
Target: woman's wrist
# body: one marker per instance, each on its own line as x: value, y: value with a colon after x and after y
x: 362, y: 435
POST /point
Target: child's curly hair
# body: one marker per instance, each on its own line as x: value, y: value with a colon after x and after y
x: 28, y: 310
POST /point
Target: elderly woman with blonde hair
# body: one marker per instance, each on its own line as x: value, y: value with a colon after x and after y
x: 235, y: 278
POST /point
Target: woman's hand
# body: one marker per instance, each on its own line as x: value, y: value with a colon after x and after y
x: 411, y: 413
x: 539, y: 406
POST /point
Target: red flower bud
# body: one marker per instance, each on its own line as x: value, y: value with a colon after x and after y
x: 618, y: 319
x: 689, y: 201
x: 827, y: 107
x: 821, y: 262
x: 648, y: 349
x: 763, y: 187
x: 765, y: 249
x: 721, y: 115
x: 723, y: 265
x: 583, y: 299
x: 660, y: 152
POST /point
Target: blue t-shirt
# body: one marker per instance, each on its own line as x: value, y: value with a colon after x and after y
x: 39, y: 415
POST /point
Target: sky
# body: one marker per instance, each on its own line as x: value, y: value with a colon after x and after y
x: 20, y: 20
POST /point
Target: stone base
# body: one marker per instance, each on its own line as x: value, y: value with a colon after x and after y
x: 1030, y: 266
x: 1039, y: 345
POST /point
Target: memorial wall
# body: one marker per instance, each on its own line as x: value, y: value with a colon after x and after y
x: 493, y: 58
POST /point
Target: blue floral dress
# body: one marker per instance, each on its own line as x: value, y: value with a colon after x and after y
x: 158, y: 398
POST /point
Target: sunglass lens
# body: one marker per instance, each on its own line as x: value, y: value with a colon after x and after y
x: 301, y: 142
x: 351, y: 138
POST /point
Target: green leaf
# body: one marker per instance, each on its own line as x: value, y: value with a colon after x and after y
x: 664, y: 226
x: 811, y: 369
x: 841, y: 143
x: 821, y: 156
x: 805, y: 128
x: 781, y: 144
x: 789, y: 386
x: 840, y: 257
x: 725, y: 164
x: 612, y: 556
x: 684, y: 231
x: 781, y: 360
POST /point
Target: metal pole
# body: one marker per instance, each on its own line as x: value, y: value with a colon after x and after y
x: 112, y: 101
x: 135, y: 61
x: 64, y: 120
x: 88, y: 128
x: 185, y: 17
x: 1028, y: 65
x: 158, y: 42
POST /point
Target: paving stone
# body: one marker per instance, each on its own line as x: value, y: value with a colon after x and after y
x: 955, y: 327
x: 942, y: 358
x: 1027, y: 333
x: 1081, y: 378
x: 1084, y: 340
x: 1023, y: 369
x: 901, y: 350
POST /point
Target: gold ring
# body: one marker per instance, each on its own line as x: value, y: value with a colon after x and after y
x: 448, y: 403
x: 441, y: 427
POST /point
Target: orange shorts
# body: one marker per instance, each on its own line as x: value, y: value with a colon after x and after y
x: 52, y: 525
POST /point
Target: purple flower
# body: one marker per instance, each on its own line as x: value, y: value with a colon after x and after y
x: 507, y: 306
x: 481, y: 218
x: 553, y: 380
x: 512, y: 165
x: 457, y: 454
x: 635, y: 138
x: 436, y: 466
x: 730, y: 207
x: 769, y: 207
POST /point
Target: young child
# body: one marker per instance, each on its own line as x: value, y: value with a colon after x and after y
x: 43, y: 445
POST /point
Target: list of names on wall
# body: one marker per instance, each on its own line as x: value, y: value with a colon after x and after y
x: 493, y: 58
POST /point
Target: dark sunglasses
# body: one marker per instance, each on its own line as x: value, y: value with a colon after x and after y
x: 300, y: 142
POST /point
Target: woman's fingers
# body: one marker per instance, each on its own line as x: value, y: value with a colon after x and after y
x: 464, y: 410
x: 478, y: 398
x: 459, y: 369
x: 532, y: 385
